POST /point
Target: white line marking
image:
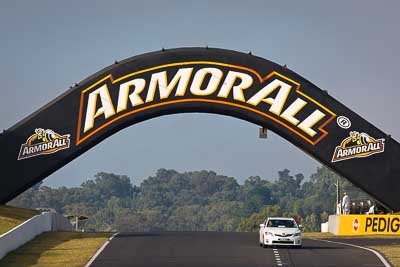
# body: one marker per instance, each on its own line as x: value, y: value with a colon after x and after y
x: 100, y: 250
x: 383, y: 260
x: 277, y: 257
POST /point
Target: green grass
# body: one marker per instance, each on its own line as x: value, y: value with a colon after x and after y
x: 317, y: 235
x: 49, y: 249
x: 391, y: 252
x: 329, y: 235
x: 54, y: 249
x: 13, y: 216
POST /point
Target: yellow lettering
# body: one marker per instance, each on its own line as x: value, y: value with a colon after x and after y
x: 276, y: 103
x: 212, y: 85
x: 310, y: 121
x: 245, y: 82
x: 124, y: 88
x: 106, y: 108
x: 160, y: 80
x: 292, y: 110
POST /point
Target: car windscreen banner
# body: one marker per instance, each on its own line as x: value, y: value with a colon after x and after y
x: 206, y: 80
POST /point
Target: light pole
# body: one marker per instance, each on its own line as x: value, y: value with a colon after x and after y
x: 338, y: 208
x: 77, y: 218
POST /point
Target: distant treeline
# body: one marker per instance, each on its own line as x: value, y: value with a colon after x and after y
x: 192, y: 201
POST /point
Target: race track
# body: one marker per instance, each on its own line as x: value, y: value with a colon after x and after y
x: 202, y: 249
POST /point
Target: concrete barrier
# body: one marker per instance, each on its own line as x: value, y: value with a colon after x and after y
x: 60, y: 223
x: 333, y: 224
x: 29, y: 229
x: 325, y: 227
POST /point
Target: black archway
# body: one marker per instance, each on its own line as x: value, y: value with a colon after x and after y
x: 200, y: 80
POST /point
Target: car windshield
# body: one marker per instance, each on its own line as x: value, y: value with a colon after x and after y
x: 282, y: 223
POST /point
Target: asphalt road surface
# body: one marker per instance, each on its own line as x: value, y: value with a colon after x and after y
x: 203, y: 249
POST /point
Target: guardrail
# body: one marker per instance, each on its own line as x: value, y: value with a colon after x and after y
x: 29, y: 229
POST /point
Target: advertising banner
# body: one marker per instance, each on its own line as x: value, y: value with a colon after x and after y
x: 368, y: 225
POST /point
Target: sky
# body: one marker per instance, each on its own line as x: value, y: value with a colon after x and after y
x: 349, y: 48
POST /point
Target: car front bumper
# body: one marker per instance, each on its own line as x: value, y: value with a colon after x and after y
x: 282, y: 241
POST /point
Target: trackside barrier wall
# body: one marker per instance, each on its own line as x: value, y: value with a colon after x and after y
x: 361, y: 224
x: 28, y: 230
x: 325, y: 227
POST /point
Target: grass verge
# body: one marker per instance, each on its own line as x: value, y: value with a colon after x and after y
x: 329, y: 235
x: 54, y: 249
x: 13, y: 216
x: 391, y: 252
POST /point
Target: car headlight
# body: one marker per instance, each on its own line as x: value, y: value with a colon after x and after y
x: 297, y: 234
x: 269, y: 233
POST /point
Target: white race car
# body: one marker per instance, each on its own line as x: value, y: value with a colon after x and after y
x: 280, y: 231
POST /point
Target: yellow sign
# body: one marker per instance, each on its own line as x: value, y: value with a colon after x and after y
x: 369, y: 225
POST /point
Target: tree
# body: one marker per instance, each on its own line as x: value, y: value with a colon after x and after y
x: 252, y: 223
x: 311, y: 224
x: 199, y: 200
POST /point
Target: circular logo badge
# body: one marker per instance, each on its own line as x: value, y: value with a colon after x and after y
x: 343, y: 122
x: 356, y: 224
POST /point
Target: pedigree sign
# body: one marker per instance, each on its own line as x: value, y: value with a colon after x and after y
x: 369, y: 225
x: 274, y: 96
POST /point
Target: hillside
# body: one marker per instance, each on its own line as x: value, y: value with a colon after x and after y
x: 192, y: 201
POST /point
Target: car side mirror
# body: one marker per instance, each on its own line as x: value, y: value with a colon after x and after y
x: 262, y: 225
x: 300, y: 226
